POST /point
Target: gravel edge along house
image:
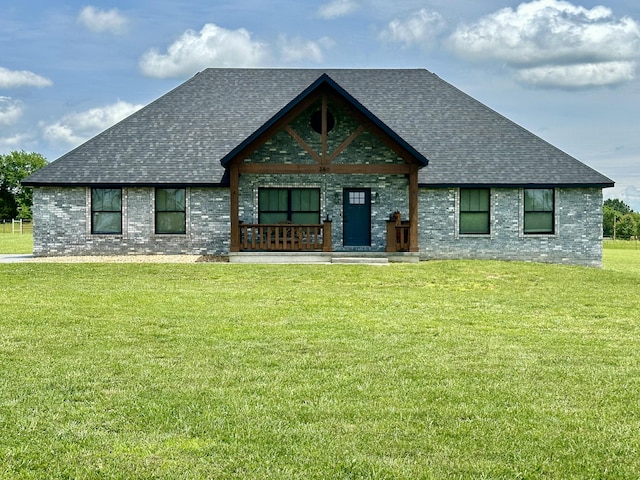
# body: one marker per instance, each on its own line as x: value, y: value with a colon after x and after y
x: 257, y: 162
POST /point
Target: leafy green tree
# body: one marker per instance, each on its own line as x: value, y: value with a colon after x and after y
x: 16, y: 200
x: 609, y: 220
x: 626, y: 227
x: 636, y: 219
x: 618, y: 205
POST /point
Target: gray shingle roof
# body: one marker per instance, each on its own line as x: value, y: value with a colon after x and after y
x: 182, y: 137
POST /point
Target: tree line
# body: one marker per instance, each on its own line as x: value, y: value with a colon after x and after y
x: 16, y: 200
x: 619, y: 221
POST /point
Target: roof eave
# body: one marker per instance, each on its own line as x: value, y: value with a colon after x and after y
x: 518, y: 185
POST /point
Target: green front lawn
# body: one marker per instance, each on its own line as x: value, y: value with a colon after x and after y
x: 15, y: 242
x: 453, y: 369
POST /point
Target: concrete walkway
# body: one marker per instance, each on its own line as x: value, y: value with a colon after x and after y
x: 14, y: 258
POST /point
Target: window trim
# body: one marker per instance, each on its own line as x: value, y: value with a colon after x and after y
x: 92, y: 211
x: 460, y: 211
x: 552, y: 212
x: 156, y: 211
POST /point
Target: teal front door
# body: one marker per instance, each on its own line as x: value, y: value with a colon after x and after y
x: 357, y: 217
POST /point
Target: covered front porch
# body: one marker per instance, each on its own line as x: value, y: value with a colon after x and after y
x: 324, y: 175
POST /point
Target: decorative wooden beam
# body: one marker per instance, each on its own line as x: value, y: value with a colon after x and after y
x: 234, y: 180
x: 325, y: 133
x: 296, y: 168
x: 413, y: 209
x: 346, y: 143
x: 302, y: 143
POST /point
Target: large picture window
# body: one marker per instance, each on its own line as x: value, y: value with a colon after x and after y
x: 106, y: 211
x: 474, y: 211
x: 538, y: 210
x: 295, y: 205
x: 171, y: 210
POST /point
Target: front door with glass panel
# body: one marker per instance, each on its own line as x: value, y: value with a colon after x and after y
x: 357, y: 217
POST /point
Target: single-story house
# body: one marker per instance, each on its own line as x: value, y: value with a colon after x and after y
x: 383, y: 162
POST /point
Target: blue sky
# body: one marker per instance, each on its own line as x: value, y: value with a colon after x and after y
x: 565, y: 70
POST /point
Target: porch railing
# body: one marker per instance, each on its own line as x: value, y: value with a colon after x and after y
x: 285, y: 237
x: 398, y: 236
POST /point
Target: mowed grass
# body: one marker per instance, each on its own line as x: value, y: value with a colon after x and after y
x: 15, y: 242
x: 452, y: 369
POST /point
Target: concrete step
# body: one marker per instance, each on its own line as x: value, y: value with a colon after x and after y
x: 278, y: 257
x: 361, y: 260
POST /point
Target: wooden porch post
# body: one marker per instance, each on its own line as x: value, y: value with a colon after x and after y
x: 413, y: 209
x: 326, y: 236
x: 234, y: 175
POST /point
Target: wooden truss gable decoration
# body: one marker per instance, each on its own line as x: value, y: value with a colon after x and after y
x: 325, y: 157
x: 323, y: 91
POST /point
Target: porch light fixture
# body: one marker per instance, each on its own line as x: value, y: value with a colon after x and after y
x: 336, y: 198
x: 375, y: 198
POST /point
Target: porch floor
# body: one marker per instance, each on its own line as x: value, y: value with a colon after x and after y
x: 370, y: 258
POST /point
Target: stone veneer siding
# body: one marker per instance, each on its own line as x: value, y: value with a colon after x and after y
x: 577, y: 238
x: 62, y: 224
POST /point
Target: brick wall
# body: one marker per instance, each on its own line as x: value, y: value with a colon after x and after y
x: 577, y: 238
x: 62, y: 224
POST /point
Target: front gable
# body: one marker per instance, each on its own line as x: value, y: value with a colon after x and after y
x: 322, y: 131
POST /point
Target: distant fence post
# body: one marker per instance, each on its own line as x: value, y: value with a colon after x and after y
x: 13, y: 225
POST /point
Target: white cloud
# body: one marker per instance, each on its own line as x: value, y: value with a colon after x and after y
x: 22, y: 78
x: 337, y: 8
x: 10, y: 111
x: 420, y: 28
x: 15, y: 141
x: 101, y: 21
x: 76, y: 128
x: 297, y: 49
x: 213, y: 46
x: 555, y: 40
x: 582, y: 75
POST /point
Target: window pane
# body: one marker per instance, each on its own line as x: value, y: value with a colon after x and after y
x: 307, y: 218
x: 297, y: 199
x: 474, y: 200
x: 357, y: 198
x: 474, y: 223
x: 106, y: 199
x: 170, y: 222
x: 273, y: 217
x: 106, y: 222
x: 161, y: 200
x: 305, y: 199
x: 273, y: 199
x: 538, y: 200
x: 538, y: 222
x: 170, y: 199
